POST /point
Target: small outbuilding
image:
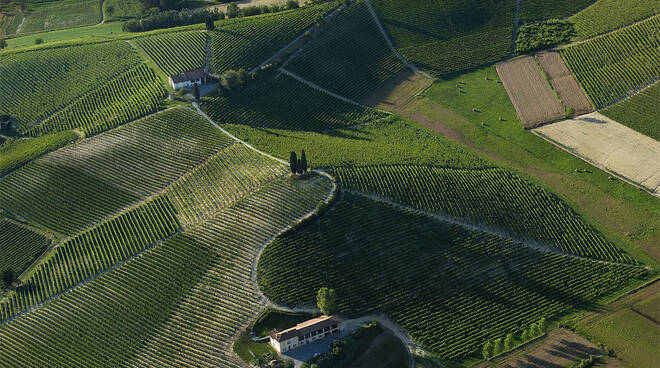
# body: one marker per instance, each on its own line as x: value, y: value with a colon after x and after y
x: 187, y: 79
x: 304, y: 333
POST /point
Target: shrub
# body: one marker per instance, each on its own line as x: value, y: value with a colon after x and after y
x: 542, y: 35
x: 38, y: 41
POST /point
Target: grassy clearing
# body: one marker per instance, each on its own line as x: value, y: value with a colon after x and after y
x: 607, y: 15
x: 248, y: 350
x: 16, y: 152
x: 619, y: 210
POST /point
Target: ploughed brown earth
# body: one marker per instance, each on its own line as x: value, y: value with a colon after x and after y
x: 563, y: 82
x: 529, y: 91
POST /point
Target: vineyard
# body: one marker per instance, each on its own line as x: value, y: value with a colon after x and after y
x: 19, y: 246
x: 133, y: 94
x: 177, y: 52
x: 612, y: 66
x: 44, y: 81
x: 488, y: 198
x: 47, y: 15
x: 607, y: 15
x: 449, y: 35
x: 71, y: 189
x: 350, y: 57
x: 247, y: 42
x: 639, y: 112
x: 547, y: 9
x: 284, y: 103
x: 19, y: 151
x: 177, y: 303
x: 450, y: 288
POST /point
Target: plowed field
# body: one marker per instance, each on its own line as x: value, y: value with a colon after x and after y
x: 563, y: 82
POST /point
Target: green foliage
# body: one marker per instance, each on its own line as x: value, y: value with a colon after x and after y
x: 542, y: 35
x: 19, y: 246
x: 176, y: 52
x: 487, y: 350
x: 492, y: 198
x: 612, y: 66
x: 247, y: 42
x: 607, y: 15
x: 284, y: 103
x: 293, y: 163
x: 639, y: 112
x: 442, y: 283
x: 326, y: 300
x: 17, y: 152
x: 47, y: 80
x: 47, y: 16
x: 350, y: 57
x: 449, y: 35
x: 122, y: 9
x: 509, y: 342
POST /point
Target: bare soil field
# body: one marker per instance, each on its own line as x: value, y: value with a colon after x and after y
x: 610, y: 146
x: 529, y: 92
x: 563, y: 82
x: 559, y: 348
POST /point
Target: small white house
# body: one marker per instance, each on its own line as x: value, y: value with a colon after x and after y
x: 187, y: 79
x: 304, y: 333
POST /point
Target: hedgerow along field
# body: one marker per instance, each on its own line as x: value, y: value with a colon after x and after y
x: 607, y: 15
x: 639, y: 112
x: 614, y: 65
x: 349, y: 57
x: 450, y: 288
x: 269, y: 101
x: 449, y: 35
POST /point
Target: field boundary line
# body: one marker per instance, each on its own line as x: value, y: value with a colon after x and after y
x: 396, y: 52
x: 516, y: 25
x: 483, y: 229
x: 319, y: 88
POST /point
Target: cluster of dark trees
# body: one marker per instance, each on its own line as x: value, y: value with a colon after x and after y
x: 171, y: 18
x: 298, y: 166
x: 542, y: 35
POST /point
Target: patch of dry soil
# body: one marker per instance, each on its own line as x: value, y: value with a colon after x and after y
x: 529, y: 91
x: 610, y: 146
x: 563, y: 82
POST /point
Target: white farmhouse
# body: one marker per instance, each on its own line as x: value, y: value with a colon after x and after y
x: 304, y: 333
x: 187, y: 79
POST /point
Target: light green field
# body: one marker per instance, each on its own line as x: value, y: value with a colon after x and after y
x: 98, y: 30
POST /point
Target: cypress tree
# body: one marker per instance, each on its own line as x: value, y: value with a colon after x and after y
x: 196, y: 91
x: 303, y: 162
x: 293, y: 163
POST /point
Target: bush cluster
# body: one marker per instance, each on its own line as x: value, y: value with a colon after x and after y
x: 171, y: 18
x: 542, y: 35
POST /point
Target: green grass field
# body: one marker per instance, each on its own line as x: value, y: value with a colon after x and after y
x: 607, y: 15
x: 639, y: 112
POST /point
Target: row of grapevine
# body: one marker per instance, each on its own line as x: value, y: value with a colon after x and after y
x: 223, y: 179
x: 607, y: 15
x: 176, y: 52
x: 639, y: 112
x: 37, y: 83
x: 176, y: 305
x: 449, y: 35
x: 86, y: 254
x: 449, y: 287
x: 72, y: 188
x: 284, y: 103
x: 252, y: 40
x: 611, y: 66
x: 132, y: 94
x: 19, y: 246
x: 490, y: 198
x: 350, y: 57
x: 547, y: 9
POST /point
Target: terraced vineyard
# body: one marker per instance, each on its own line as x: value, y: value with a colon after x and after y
x: 350, y: 57
x: 71, y: 189
x: 489, y: 198
x: 131, y: 95
x: 44, y: 81
x: 612, y: 66
x: 607, y: 15
x: 450, y: 288
x: 194, y: 287
x: 85, y: 255
x: 247, y: 42
x: 639, y: 112
x: 176, y: 52
x: 269, y: 102
x: 19, y: 246
x: 449, y: 35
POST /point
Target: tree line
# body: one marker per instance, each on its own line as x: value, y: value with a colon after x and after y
x: 510, y: 341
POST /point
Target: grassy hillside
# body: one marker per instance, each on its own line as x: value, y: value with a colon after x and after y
x: 449, y: 35
x: 639, y: 112
x: 350, y: 57
x: 284, y: 103
x: 607, y: 15
x: 611, y: 66
x: 450, y: 288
